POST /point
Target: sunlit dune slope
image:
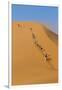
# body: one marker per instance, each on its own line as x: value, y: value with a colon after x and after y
x: 31, y: 42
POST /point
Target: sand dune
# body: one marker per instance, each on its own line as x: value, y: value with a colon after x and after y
x: 34, y: 54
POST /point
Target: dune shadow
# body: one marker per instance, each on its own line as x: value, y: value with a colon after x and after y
x: 53, y: 36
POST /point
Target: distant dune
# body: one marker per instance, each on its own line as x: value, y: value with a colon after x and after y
x: 34, y: 54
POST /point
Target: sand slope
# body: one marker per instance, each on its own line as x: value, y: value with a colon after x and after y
x: 29, y: 65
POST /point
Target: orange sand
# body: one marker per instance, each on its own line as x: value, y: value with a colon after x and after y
x: 28, y: 64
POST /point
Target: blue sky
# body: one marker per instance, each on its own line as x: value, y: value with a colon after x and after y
x: 44, y: 14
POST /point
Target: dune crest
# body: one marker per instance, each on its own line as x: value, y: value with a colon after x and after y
x: 34, y: 54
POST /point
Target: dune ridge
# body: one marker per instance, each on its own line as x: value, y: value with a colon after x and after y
x: 31, y: 43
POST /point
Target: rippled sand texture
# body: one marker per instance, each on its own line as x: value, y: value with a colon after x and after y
x: 29, y: 63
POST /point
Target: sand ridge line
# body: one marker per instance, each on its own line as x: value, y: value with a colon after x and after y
x: 28, y: 63
x: 44, y: 53
x: 47, y: 57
